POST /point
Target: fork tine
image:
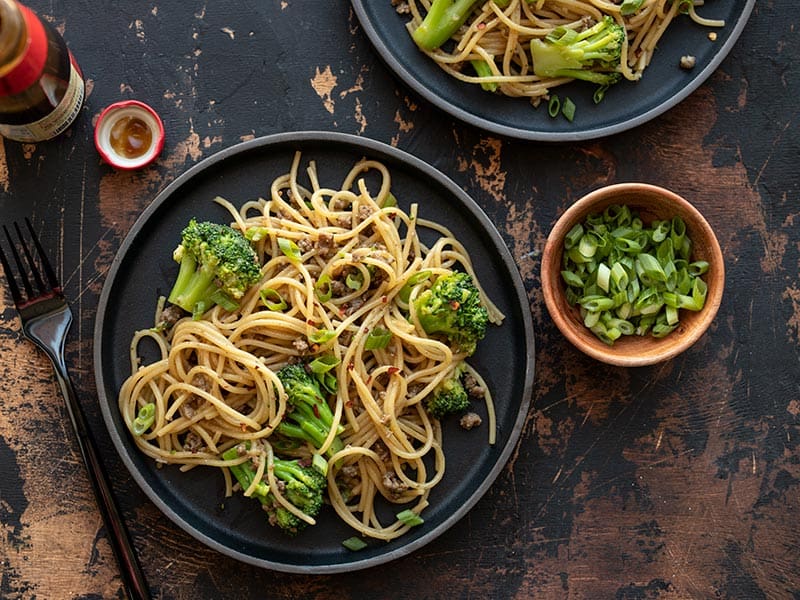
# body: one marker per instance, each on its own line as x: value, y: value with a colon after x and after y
x: 48, y: 269
x: 20, y: 268
x: 31, y: 262
x: 10, y: 279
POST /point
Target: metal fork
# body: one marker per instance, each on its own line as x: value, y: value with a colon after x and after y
x: 46, y: 318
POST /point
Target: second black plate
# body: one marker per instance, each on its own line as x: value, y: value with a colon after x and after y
x: 625, y: 106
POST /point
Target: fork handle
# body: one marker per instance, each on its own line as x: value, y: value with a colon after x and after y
x: 119, y: 537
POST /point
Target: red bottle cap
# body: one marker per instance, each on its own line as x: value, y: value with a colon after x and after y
x: 129, y: 135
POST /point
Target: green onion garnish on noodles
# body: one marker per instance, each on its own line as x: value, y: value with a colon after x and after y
x: 568, y: 109
x: 320, y: 336
x: 354, y: 543
x: 377, y: 338
x: 410, y: 518
x: 272, y: 299
x: 289, y: 248
x: 324, y: 288
x: 553, y: 106
x: 631, y: 279
x: 145, y: 418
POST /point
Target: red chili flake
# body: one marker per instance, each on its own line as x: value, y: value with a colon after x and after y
x: 316, y: 411
x: 310, y: 322
x: 392, y: 370
x: 455, y: 304
x: 349, y: 404
x: 384, y: 299
x: 369, y: 380
x: 350, y: 366
x: 481, y: 26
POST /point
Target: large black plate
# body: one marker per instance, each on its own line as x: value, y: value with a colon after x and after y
x: 625, y: 106
x: 143, y: 269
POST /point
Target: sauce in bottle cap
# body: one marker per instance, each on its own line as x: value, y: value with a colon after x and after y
x: 129, y: 135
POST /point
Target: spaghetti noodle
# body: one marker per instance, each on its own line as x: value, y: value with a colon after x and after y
x: 337, y: 264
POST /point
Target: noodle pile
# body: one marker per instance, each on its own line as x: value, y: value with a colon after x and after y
x: 214, y: 384
x: 501, y: 37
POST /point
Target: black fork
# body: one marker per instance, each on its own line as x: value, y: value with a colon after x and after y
x: 46, y: 317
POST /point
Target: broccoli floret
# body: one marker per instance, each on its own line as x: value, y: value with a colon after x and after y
x: 449, y: 396
x: 217, y: 266
x: 443, y: 20
x: 301, y: 485
x: 591, y: 55
x: 452, y: 307
x: 310, y: 417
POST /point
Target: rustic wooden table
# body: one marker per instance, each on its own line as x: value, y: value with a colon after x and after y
x: 680, y: 480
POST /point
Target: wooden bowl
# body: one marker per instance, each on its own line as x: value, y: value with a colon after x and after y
x: 651, y: 202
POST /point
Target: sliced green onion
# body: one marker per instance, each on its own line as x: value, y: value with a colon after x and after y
x: 256, y: 234
x: 321, y: 367
x: 678, y: 233
x: 568, y: 109
x: 661, y: 230
x: 320, y: 336
x: 588, y: 245
x: 144, y: 419
x: 628, y: 7
x: 323, y: 364
x: 323, y: 288
x: 410, y: 518
x: 651, y: 269
x: 603, y: 276
x: 600, y: 93
x: 354, y: 543
x: 289, y: 248
x: 619, y: 275
x: 572, y: 279
x: 377, y: 338
x: 272, y: 299
x: 573, y: 237
x: 596, y: 303
x: 354, y: 280
x: 698, y: 267
x: 591, y: 318
x: 554, y: 106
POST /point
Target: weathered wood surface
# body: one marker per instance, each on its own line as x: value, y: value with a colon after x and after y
x: 680, y: 480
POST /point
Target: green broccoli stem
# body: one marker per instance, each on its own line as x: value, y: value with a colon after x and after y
x: 193, y: 286
x: 305, y: 428
x: 442, y: 21
x: 244, y: 475
x: 288, y: 469
x: 482, y: 69
x: 313, y: 406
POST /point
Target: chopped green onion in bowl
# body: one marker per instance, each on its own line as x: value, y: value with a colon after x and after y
x: 629, y: 278
x: 632, y: 274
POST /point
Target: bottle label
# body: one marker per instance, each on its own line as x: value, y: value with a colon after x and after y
x: 57, y: 121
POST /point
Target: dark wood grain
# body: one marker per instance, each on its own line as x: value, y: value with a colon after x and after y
x: 680, y: 480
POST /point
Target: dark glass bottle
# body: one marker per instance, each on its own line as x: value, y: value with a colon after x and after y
x: 41, y: 85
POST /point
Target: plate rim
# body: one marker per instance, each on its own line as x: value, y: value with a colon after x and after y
x: 367, y: 145
x: 409, y: 79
